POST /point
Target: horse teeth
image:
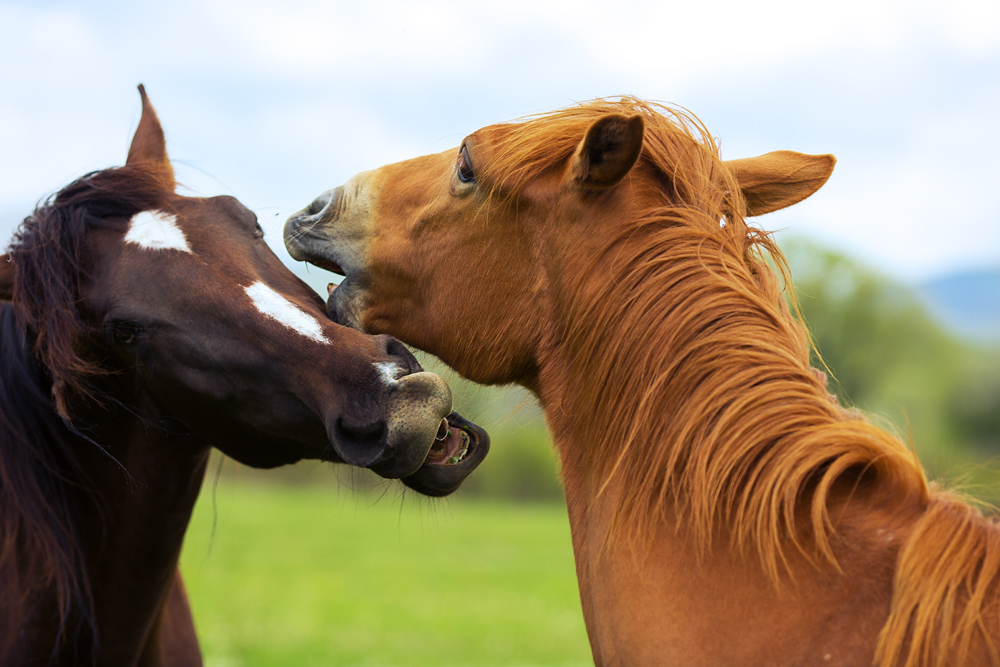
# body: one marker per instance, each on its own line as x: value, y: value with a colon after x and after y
x: 460, y: 456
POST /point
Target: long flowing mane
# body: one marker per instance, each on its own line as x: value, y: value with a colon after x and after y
x: 705, y: 408
x: 41, y: 333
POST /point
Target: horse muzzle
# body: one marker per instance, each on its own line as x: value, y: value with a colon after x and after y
x: 420, y: 440
x: 333, y: 231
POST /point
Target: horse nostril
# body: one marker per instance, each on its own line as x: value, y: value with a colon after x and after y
x: 360, y: 445
x: 399, y: 352
x: 319, y: 204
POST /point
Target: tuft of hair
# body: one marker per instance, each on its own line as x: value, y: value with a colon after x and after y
x: 945, y: 608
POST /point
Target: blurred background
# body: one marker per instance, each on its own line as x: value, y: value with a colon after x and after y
x: 896, y: 259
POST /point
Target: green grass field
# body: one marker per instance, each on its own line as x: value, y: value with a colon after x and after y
x: 320, y: 575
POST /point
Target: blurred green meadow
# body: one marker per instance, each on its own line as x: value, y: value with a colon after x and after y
x: 317, y: 565
x: 313, y: 574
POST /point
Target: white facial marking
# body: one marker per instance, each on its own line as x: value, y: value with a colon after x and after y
x: 156, y: 230
x: 277, y: 307
x: 389, y: 371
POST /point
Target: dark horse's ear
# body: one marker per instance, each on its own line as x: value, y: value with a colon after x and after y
x: 779, y: 179
x: 148, y: 145
x: 6, y: 278
x: 609, y: 151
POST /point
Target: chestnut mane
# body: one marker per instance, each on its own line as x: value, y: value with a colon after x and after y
x: 41, y: 332
x: 705, y: 404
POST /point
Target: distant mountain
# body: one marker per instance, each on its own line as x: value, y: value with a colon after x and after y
x: 968, y: 302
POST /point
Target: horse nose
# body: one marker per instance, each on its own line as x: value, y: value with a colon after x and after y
x: 399, y: 353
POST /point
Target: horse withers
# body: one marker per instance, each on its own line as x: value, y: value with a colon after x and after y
x: 143, y: 328
x: 724, y: 510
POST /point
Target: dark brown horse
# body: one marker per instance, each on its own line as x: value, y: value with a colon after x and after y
x: 143, y: 328
x: 724, y: 510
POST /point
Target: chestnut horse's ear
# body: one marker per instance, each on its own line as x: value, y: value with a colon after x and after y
x: 6, y: 278
x: 779, y: 179
x: 148, y: 144
x: 609, y: 151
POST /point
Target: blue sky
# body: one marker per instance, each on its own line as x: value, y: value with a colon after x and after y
x: 276, y: 102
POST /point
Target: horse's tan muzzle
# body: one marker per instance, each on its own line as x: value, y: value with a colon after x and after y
x: 416, y: 405
x: 333, y: 232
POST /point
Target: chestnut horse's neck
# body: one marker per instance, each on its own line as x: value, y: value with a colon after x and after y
x: 677, y: 346
x: 90, y: 550
x: 703, y: 459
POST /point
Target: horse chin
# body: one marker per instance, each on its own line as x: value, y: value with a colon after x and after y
x: 452, y: 457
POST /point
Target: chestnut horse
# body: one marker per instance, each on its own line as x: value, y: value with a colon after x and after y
x: 144, y: 328
x: 724, y: 510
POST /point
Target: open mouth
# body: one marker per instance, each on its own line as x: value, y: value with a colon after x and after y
x: 327, y: 264
x: 452, y: 445
x: 458, y: 449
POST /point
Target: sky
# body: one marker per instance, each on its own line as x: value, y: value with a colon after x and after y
x: 276, y: 102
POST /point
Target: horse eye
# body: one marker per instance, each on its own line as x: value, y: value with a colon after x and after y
x: 464, y: 168
x: 258, y: 232
x: 125, y: 333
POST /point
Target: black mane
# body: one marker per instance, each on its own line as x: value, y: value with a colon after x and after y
x: 38, y: 457
x: 47, y: 254
x: 42, y: 485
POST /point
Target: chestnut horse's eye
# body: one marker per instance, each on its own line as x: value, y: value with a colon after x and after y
x: 465, y: 172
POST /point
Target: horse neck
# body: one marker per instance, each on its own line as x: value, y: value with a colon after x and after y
x: 117, y: 495
x: 149, y: 508
x: 675, y: 369
x: 684, y: 411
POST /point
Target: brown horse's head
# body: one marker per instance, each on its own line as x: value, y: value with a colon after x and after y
x: 120, y: 275
x: 470, y: 253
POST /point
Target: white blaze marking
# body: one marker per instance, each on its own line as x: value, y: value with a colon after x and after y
x: 389, y: 371
x: 277, y: 307
x: 156, y: 230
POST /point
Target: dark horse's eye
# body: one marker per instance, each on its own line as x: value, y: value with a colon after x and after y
x: 465, y: 172
x: 125, y: 333
x: 258, y: 232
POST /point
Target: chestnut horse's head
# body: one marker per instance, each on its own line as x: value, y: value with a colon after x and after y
x: 119, y: 275
x: 475, y: 254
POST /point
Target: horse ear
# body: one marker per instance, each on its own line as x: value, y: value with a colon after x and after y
x: 148, y: 144
x: 779, y: 179
x: 6, y: 278
x: 609, y: 151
